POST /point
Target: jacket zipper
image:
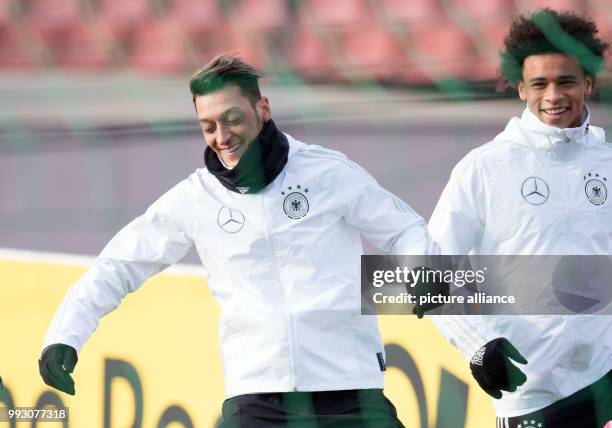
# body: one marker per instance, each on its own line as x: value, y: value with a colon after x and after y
x: 278, y: 279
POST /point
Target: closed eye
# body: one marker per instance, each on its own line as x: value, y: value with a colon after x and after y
x: 235, y: 121
x: 567, y: 83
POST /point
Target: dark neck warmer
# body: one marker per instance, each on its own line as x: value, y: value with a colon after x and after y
x: 258, y: 166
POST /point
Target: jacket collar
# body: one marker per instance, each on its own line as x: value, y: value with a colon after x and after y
x: 531, y: 123
x: 557, y: 143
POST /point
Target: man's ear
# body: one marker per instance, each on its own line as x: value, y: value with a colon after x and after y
x: 589, y: 85
x: 521, y: 90
x: 263, y: 109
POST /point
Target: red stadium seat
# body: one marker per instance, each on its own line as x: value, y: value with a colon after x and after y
x: 53, y: 20
x: 202, y: 27
x: 482, y: 10
x: 604, y: 25
x: 196, y: 16
x: 483, y: 68
x: 5, y: 12
x: 524, y: 6
x: 260, y: 14
x: 371, y: 52
x: 84, y: 49
x: 309, y: 55
x: 121, y: 19
x: 486, y: 23
x: 264, y: 26
x: 201, y: 50
x: 412, y: 73
x: 17, y: 49
x: 601, y: 12
x: 336, y: 12
x: 411, y: 12
x: 157, y: 48
x: 443, y: 51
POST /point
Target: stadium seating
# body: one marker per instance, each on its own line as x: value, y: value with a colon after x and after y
x: 59, y: 33
x: 412, y: 42
x: 486, y: 24
x: 414, y: 12
x: 482, y: 10
x: 443, y: 51
x: 16, y: 49
x: 195, y: 17
x: 260, y: 14
x: 530, y: 5
x: 334, y: 13
x: 53, y: 20
x: 372, y: 53
x: 157, y: 48
x: 262, y: 26
x: 601, y: 11
x: 122, y: 19
x: 83, y: 48
x: 309, y: 55
x: 5, y: 12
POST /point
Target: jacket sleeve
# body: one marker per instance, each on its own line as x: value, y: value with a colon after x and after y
x: 381, y: 217
x: 457, y: 224
x: 144, y: 247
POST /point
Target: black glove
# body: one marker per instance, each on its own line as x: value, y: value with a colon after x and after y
x: 55, y: 365
x: 423, y: 287
x: 493, y: 369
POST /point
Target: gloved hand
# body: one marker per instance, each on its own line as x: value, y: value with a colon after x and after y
x: 493, y: 369
x: 427, y: 288
x: 55, y: 365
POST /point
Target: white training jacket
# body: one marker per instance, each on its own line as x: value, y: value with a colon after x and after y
x: 482, y: 211
x: 283, y: 264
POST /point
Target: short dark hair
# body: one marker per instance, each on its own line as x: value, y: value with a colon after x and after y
x: 223, y: 70
x: 548, y: 31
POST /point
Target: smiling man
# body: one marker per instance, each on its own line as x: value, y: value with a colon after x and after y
x: 538, y: 188
x: 277, y: 224
x: 554, y: 87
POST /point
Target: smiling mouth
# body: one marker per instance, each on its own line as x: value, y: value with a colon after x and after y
x: 233, y: 148
x: 557, y: 111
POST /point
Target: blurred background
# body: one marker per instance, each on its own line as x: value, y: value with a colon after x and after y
x: 96, y: 119
x: 96, y: 122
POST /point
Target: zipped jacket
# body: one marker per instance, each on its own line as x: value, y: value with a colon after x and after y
x: 533, y: 190
x: 283, y: 264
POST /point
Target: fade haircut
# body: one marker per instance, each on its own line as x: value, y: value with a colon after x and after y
x: 547, y: 31
x: 224, y: 70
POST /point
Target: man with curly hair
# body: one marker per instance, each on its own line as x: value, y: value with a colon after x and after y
x: 563, y: 374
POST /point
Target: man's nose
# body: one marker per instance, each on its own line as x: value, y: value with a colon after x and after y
x: 553, y: 93
x: 223, y: 135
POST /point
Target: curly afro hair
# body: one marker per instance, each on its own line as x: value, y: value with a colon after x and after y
x: 549, y: 31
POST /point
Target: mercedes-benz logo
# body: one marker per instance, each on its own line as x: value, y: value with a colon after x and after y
x: 535, y: 190
x: 230, y: 220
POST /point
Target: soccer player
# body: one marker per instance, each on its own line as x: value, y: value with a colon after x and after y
x: 539, y: 188
x: 277, y: 225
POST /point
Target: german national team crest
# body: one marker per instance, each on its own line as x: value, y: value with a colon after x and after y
x: 295, y: 203
x: 595, y: 188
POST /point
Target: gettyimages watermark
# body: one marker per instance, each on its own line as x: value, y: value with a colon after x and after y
x: 487, y: 285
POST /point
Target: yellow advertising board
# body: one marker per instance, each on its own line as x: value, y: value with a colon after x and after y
x: 155, y: 361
